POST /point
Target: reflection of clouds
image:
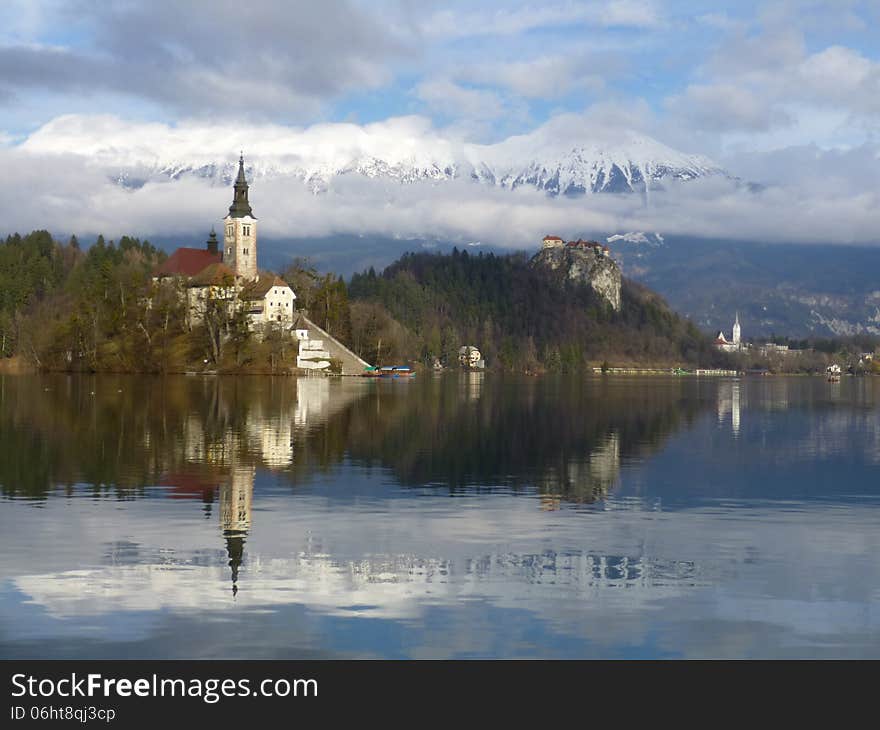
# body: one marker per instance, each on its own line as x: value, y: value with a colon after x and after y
x: 614, y: 577
x: 389, y: 586
x: 465, y: 574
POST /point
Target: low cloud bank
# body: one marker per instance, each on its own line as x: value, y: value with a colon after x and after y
x: 812, y: 196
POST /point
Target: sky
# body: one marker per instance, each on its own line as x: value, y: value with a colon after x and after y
x: 786, y: 94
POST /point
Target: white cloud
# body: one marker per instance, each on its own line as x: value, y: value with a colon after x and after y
x: 212, y: 58
x: 544, y: 77
x: 447, y: 98
x: 64, y: 182
x: 504, y: 20
x: 768, y: 86
x: 722, y: 107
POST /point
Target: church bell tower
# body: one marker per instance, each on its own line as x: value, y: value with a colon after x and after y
x: 736, y: 331
x: 240, y: 234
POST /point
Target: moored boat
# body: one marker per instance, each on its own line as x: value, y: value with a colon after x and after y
x: 396, y: 371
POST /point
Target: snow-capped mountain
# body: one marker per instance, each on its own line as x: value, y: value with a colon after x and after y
x: 623, y: 161
x: 569, y: 159
x: 637, y: 237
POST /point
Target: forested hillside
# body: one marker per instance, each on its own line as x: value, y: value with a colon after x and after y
x: 65, y: 308
x: 520, y: 317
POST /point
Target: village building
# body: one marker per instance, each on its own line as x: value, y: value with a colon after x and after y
x: 213, y: 284
x: 734, y: 344
x: 470, y: 357
x: 771, y: 348
x: 269, y: 300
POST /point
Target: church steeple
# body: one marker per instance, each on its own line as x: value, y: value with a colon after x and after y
x: 240, y: 236
x: 211, y: 244
x: 235, y: 551
x: 240, y: 206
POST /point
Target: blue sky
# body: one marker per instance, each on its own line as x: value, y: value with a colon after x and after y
x: 783, y: 93
x: 697, y: 72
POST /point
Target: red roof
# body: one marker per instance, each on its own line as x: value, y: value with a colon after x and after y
x: 186, y: 485
x: 187, y: 262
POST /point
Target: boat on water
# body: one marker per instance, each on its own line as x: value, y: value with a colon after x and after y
x: 832, y: 373
x: 396, y: 371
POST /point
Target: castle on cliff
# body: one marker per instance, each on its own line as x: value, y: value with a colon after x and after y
x: 585, y: 262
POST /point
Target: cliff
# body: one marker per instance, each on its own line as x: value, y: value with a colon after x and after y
x: 584, y: 263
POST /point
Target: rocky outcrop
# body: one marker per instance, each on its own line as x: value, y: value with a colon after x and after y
x: 587, y: 263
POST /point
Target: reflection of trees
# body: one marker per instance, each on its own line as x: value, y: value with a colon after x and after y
x: 565, y: 436
x: 562, y: 436
x: 120, y: 434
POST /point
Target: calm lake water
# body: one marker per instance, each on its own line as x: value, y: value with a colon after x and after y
x: 463, y: 515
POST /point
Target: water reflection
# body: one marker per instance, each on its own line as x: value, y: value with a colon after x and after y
x: 729, y: 404
x: 453, y: 516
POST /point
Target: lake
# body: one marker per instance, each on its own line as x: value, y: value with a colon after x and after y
x: 454, y: 516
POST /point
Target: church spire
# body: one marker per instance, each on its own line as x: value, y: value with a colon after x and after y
x: 240, y: 206
x: 235, y: 551
x: 211, y: 243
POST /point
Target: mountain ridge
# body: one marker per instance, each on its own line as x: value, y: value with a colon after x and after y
x: 569, y: 159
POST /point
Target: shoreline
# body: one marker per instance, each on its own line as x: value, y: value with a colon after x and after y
x: 17, y: 366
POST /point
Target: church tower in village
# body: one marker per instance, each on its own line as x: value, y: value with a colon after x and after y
x: 240, y: 236
x: 737, y: 340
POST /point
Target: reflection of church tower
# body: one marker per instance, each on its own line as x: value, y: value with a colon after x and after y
x: 235, y: 516
x: 729, y: 402
x: 734, y: 409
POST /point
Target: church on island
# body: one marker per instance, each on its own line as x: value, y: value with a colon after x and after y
x: 230, y: 278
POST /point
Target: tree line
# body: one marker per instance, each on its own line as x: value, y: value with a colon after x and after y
x: 97, y: 309
x: 522, y: 318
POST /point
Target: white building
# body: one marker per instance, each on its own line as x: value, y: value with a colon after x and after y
x: 735, y: 343
x: 269, y: 300
x: 470, y: 357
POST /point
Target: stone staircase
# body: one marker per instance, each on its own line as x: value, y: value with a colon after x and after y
x: 318, y: 347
